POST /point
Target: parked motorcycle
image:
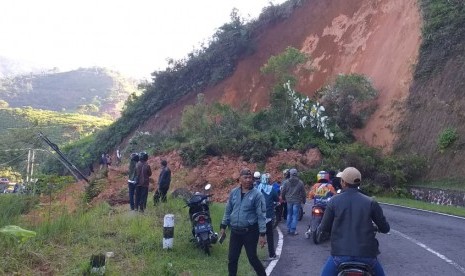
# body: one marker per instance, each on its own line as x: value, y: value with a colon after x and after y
x: 199, y: 214
x: 318, y: 210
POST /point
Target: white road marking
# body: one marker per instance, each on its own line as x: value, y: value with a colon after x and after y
x: 278, y: 250
x: 416, y: 209
x: 439, y: 255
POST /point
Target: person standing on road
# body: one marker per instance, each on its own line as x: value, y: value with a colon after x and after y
x: 132, y: 179
x: 349, y: 218
x: 143, y: 173
x: 245, y: 215
x: 271, y: 198
x: 164, y: 181
x: 294, y: 194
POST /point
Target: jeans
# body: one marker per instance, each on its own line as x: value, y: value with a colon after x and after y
x: 292, y: 216
x: 141, y: 197
x: 132, y: 189
x: 250, y: 241
x: 330, y: 268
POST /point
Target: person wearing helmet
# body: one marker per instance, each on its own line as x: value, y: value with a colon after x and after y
x: 294, y: 194
x: 256, y: 179
x: 322, y: 190
x: 336, y: 181
x: 132, y: 179
x: 143, y: 173
x: 352, y: 233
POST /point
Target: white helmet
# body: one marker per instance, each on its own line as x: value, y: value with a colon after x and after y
x: 256, y: 175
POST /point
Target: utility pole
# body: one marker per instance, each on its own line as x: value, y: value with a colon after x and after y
x: 70, y: 166
x: 27, y: 167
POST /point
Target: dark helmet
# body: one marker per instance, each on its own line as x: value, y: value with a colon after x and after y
x: 293, y: 172
x: 135, y: 157
x: 143, y: 156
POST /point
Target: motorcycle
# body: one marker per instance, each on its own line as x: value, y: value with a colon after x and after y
x: 353, y: 268
x: 199, y: 214
x: 318, y: 210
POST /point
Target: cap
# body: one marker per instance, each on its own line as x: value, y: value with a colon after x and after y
x: 351, y: 175
x: 293, y: 172
x: 256, y: 174
x: 245, y: 171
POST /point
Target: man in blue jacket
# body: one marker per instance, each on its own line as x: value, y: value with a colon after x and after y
x: 245, y: 216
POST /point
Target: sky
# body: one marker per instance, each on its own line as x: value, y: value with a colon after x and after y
x: 135, y: 37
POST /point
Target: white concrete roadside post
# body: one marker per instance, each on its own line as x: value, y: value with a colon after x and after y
x: 168, y: 231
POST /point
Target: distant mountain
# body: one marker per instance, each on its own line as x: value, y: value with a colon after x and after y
x: 11, y: 67
x: 92, y: 91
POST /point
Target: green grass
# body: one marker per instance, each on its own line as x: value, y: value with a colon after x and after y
x: 64, y: 246
x: 445, y: 184
x: 451, y: 210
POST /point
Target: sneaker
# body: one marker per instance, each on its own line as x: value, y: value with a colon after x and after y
x: 294, y: 233
x: 274, y: 257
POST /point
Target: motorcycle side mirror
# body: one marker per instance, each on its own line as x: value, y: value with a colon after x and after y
x: 208, y: 187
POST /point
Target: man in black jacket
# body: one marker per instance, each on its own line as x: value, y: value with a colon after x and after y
x: 164, y: 181
x: 349, y: 217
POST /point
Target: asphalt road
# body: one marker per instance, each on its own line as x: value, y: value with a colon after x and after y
x: 420, y: 243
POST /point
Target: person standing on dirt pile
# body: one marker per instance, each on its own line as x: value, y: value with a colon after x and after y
x: 271, y: 198
x: 294, y: 194
x: 108, y: 157
x: 353, y: 232
x: 132, y: 179
x: 245, y: 215
x: 118, y: 156
x: 143, y: 173
x: 103, y: 161
x: 164, y: 181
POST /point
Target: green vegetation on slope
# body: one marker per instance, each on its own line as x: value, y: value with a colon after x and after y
x: 201, y: 68
x: 65, y: 243
x: 94, y: 91
x: 442, y: 34
x: 19, y: 128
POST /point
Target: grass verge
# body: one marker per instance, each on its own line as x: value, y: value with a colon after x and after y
x: 445, y: 184
x: 451, y: 210
x: 64, y: 245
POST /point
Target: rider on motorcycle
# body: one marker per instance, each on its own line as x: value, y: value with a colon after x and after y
x: 322, y: 190
x: 349, y: 217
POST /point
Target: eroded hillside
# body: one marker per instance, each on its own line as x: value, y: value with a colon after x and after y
x: 378, y: 38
